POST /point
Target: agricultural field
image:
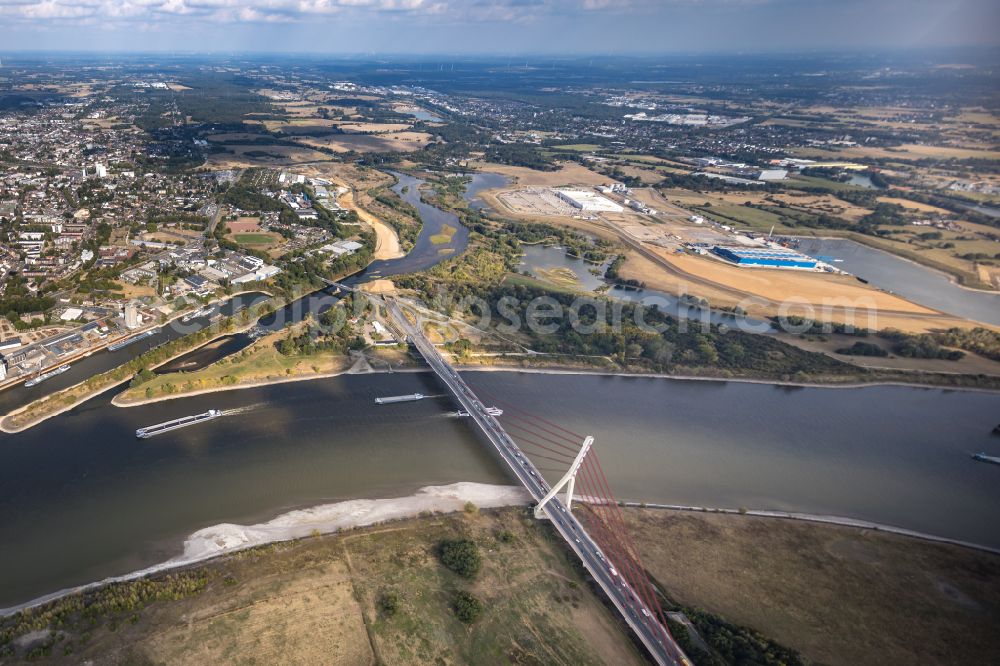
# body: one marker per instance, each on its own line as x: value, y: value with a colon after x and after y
x: 265, y: 239
x: 404, y: 141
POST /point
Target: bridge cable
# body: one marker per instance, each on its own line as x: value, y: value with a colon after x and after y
x: 653, y: 601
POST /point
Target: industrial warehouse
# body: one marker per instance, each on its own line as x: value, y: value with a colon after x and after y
x: 765, y: 256
x: 588, y: 201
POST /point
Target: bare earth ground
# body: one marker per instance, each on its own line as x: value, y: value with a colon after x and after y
x: 640, y: 268
x: 569, y: 173
x: 838, y: 595
x: 316, y: 601
x: 594, y: 228
x: 404, y: 141
x: 781, y: 285
x: 386, y: 239
x: 721, y: 284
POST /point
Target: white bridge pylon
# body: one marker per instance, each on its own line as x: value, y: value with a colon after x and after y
x: 568, y: 480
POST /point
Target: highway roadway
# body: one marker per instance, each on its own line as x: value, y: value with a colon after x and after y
x: 637, y: 615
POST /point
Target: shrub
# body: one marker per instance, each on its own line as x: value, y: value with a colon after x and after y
x: 863, y: 349
x: 467, y: 608
x: 388, y: 603
x: 461, y: 556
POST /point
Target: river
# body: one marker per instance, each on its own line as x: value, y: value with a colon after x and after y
x: 482, y: 180
x: 910, y: 280
x: 101, y: 361
x: 431, y: 245
x: 83, y: 499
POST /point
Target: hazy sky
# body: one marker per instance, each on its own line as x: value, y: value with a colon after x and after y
x: 495, y: 26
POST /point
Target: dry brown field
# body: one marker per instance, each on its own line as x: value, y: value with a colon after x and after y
x: 841, y: 596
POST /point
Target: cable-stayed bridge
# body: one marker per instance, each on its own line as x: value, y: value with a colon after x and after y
x: 608, y: 554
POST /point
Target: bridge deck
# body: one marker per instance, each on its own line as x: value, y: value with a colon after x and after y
x: 636, y: 614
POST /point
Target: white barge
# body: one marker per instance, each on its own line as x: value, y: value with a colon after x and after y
x: 399, y: 398
x: 121, y: 344
x: 200, y: 313
x: 38, y: 379
x: 183, y: 422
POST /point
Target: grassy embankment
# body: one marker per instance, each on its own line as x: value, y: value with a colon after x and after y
x: 58, y: 402
x: 325, y: 600
x: 837, y: 595
x: 260, y: 363
x: 443, y: 236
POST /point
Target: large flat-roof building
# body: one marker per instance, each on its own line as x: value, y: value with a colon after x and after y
x: 764, y: 256
x: 588, y: 201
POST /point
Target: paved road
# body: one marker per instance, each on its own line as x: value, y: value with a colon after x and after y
x: 638, y: 617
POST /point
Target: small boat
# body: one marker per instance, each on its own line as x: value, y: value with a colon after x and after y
x: 200, y: 313
x: 982, y: 457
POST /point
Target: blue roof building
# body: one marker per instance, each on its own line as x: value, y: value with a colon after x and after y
x: 764, y: 256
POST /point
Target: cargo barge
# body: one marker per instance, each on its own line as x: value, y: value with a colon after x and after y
x: 183, y: 422
x: 121, y: 344
x: 982, y: 457
x: 200, y: 313
x: 38, y: 379
x: 399, y: 398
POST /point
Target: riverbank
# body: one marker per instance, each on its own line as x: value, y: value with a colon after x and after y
x: 840, y: 595
x: 120, y: 401
x: 379, y: 594
x: 259, y: 364
x: 228, y: 538
x: 66, y: 399
x: 104, y: 344
x: 847, y: 384
x: 814, y: 518
x: 123, y: 400
x: 837, y: 595
x: 387, y: 244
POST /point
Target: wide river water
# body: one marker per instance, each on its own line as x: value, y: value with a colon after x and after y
x: 910, y: 280
x: 82, y: 499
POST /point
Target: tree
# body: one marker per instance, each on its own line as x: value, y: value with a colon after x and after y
x: 461, y: 556
x: 467, y: 608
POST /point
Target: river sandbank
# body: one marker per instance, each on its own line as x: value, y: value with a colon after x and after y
x: 228, y: 538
